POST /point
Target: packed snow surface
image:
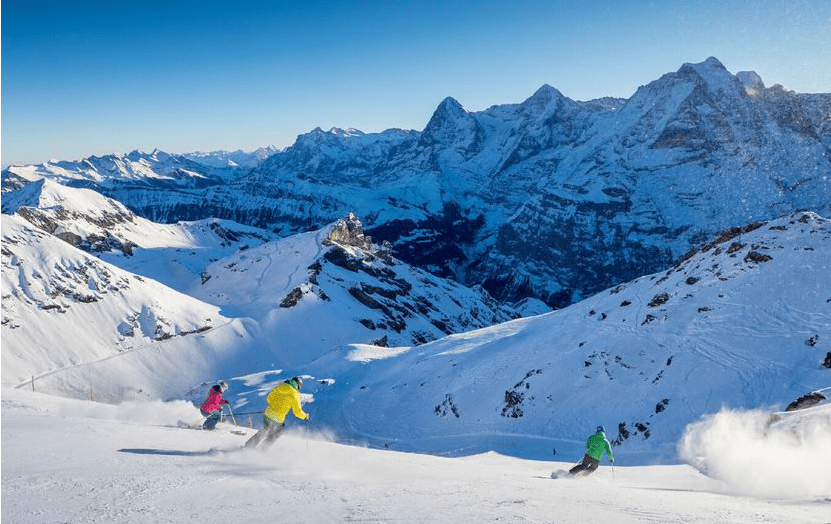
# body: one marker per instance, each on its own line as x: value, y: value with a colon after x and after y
x: 79, y: 461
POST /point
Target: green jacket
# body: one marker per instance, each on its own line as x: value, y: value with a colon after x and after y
x: 595, y: 446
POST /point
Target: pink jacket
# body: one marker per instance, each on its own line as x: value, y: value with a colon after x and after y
x: 213, y: 402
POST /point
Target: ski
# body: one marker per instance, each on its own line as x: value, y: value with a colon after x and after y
x: 198, y: 427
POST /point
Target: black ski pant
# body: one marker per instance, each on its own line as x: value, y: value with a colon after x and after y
x: 588, y: 465
x: 271, y: 430
x: 212, y: 418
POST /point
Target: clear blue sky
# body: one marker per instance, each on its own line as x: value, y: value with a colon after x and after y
x: 87, y: 78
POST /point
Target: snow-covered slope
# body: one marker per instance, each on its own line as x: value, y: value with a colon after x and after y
x: 63, y: 307
x: 293, y: 299
x: 319, y: 291
x: 126, y: 464
x: 744, y: 322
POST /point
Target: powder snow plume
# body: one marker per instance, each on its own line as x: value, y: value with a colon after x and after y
x: 760, y: 455
x: 154, y: 412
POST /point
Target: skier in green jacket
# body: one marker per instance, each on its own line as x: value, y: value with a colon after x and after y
x: 595, y: 446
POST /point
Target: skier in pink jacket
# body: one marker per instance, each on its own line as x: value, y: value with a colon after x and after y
x: 212, y: 407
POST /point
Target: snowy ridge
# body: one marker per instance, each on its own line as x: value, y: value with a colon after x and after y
x: 137, y: 167
x: 231, y: 159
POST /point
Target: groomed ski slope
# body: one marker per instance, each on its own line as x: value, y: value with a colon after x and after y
x: 79, y: 461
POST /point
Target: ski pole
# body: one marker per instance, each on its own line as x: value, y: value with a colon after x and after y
x: 613, y: 470
x: 231, y: 411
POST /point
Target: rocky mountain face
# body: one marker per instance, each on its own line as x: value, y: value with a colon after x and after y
x: 414, y: 304
x: 551, y: 198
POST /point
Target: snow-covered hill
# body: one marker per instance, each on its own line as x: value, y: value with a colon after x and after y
x: 744, y: 322
x: 63, y: 307
x: 174, y: 254
x: 292, y: 300
x: 320, y: 291
x: 552, y: 198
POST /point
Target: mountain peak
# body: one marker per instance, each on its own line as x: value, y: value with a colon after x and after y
x: 448, y: 115
x: 547, y: 92
x: 449, y: 107
x: 713, y: 62
x: 751, y: 81
x: 450, y: 103
x: 706, y: 68
x: 543, y: 98
x: 711, y: 72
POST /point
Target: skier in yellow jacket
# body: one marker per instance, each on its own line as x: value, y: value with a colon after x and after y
x: 281, y: 399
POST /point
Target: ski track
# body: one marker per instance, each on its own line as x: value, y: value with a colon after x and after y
x: 297, y: 269
x: 289, y: 277
x: 724, y: 357
x: 267, y: 267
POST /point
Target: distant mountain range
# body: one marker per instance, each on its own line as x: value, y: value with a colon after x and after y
x: 551, y: 198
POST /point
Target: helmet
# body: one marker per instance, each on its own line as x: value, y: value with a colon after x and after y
x: 601, y: 429
x: 223, y: 386
x: 297, y: 382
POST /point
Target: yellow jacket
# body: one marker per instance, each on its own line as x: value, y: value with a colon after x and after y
x: 282, y: 399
